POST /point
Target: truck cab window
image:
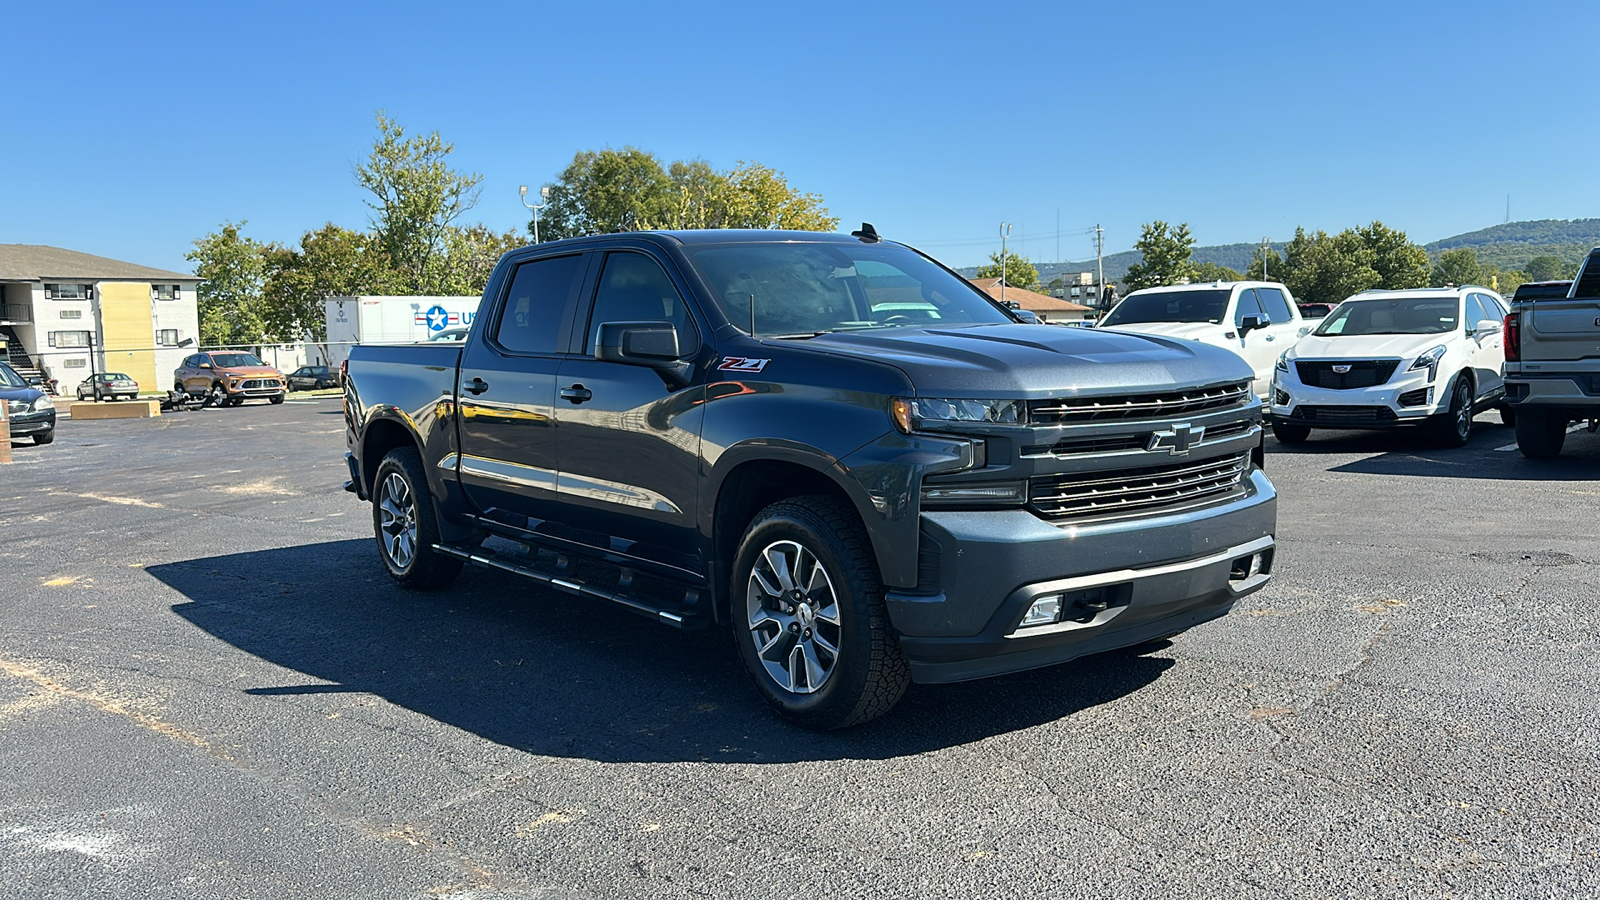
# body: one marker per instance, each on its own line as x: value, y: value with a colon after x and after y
x: 1248, y: 306
x: 633, y: 288
x: 1272, y: 300
x: 530, y: 319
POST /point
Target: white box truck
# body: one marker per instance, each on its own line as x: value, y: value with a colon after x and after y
x: 389, y: 320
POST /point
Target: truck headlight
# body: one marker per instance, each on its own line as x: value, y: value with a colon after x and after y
x: 908, y: 414
x: 1429, y: 360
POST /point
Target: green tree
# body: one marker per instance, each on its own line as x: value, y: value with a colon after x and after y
x: 1459, y: 266
x: 1265, y: 265
x: 757, y: 196
x: 232, y: 270
x: 1398, y: 262
x: 1165, y: 252
x: 1019, y: 273
x: 1319, y: 268
x: 1505, y: 281
x: 419, y: 197
x: 472, y: 254
x: 1545, y: 267
x: 1205, y: 271
x: 330, y: 262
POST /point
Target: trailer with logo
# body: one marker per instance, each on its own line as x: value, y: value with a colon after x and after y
x: 387, y: 320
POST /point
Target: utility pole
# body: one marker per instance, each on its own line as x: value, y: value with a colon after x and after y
x: 1005, y: 232
x: 1100, y: 265
x: 1266, y: 247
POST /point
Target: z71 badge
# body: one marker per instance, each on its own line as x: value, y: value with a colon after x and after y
x: 742, y: 364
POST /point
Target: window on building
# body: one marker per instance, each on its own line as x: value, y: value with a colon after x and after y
x: 67, y: 291
x: 74, y: 363
x: 71, y: 313
x: 167, y: 337
x: 69, y: 338
x: 164, y: 291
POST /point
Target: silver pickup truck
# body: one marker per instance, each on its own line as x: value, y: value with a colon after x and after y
x: 1552, y: 346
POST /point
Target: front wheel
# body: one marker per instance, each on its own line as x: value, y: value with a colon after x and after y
x: 404, y: 523
x: 1454, y: 429
x: 1540, y: 435
x: 809, y: 618
x: 45, y: 438
x: 276, y: 399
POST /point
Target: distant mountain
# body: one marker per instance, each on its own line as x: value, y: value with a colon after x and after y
x: 1508, y: 246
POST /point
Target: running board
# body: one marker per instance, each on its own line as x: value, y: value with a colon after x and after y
x: 566, y: 582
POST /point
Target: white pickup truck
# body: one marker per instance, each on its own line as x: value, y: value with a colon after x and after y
x: 1256, y: 319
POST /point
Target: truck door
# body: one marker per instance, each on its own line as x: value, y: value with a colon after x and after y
x: 507, y: 389
x: 630, y: 435
x: 1260, y: 348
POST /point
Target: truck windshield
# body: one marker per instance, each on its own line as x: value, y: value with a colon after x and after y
x: 1403, y: 315
x: 1209, y: 305
x: 801, y: 289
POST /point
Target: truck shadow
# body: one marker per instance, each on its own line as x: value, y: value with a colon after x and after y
x: 528, y: 668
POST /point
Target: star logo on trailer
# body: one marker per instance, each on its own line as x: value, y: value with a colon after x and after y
x: 437, y: 318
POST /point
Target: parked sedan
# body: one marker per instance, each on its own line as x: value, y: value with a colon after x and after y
x: 1428, y: 356
x: 108, y: 386
x: 29, y: 410
x: 312, y: 378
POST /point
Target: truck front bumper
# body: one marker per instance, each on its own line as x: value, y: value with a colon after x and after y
x: 1119, y: 583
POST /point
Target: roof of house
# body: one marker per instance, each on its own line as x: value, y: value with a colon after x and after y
x: 36, y: 262
x: 1028, y: 300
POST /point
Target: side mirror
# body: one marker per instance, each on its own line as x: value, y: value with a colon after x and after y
x: 1251, y: 323
x: 34, y: 379
x: 1487, y: 326
x: 653, y: 345
x: 205, y: 365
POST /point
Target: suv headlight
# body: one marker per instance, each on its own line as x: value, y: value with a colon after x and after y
x: 908, y: 414
x: 1429, y: 360
x: 1283, y: 361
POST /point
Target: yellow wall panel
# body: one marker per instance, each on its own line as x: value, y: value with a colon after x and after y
x: 129, y: 335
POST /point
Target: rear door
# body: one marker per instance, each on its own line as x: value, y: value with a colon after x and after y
x: 1566, y: 328
x: 630, y: 435
x: 507, y: 389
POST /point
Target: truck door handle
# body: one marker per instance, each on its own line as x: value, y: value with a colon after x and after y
x: 577, y: 393
x: 476, y: 386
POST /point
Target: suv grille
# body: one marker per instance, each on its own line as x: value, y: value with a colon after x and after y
x: 260, y: 383
x: 1137, y: 406
x: 1136, y: 491
x: 1345, y: 415
x: 1363, y: 373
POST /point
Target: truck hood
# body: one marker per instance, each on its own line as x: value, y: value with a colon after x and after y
x: 1034, y: 361
x: 1366, y: 346
x: 1210, y: 332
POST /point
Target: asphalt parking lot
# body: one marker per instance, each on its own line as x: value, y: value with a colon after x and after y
x: 209, y: 689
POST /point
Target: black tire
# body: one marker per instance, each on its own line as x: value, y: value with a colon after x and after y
x: 1540, y: 434
x: 276, y: 399
x: 1454, y: 428
x: 422, y: 567
x: 1508, y: 414
x: 1290, y: 434
x: 868, y: 674
x: 45, y: 438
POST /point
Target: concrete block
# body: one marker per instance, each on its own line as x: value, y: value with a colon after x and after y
x: 116, y: 409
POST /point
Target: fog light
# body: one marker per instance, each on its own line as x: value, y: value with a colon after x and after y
x: 1044, y: 611
x: 1246, y: 567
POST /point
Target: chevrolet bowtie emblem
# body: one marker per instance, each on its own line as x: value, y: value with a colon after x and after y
x: 1177, y: 441
x: 1340, y: 370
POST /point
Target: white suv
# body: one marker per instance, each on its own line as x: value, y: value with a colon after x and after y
x: 1255, y: 319
x: 1428, y: 356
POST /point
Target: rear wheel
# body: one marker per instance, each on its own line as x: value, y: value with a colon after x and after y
x: 405, y: 525
x: 1540, y: 433
x: 1290, y: 434
x: 808, y: 615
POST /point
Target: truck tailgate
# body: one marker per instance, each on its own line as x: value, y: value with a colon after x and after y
x: 1563, y: 329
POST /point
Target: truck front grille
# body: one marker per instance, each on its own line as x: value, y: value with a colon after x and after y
x: 1144, y: 491
x: 1077, y: 410
x: 1361, y: 373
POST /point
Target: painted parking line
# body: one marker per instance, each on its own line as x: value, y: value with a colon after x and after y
x: 1570, y: 429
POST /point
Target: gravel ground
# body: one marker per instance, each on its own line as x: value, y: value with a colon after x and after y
x: 209, y: 689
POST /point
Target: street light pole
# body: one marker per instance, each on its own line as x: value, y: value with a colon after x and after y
x: 544, y: 193
x: 1005, y: 232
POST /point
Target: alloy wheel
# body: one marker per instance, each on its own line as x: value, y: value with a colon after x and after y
x: 397, y: 511
x: 793, y: 613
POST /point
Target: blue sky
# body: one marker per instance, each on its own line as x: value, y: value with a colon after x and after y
x: 132, y: 129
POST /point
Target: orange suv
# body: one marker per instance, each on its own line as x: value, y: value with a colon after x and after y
x: 230, y: 377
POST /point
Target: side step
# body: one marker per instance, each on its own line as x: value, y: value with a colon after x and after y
x: 627, y: 594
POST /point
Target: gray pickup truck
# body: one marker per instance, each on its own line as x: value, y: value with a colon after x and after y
x: 833, y: 446
x: 1552, y: 347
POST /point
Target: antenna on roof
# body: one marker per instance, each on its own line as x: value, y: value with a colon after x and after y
x: 867, y: 234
